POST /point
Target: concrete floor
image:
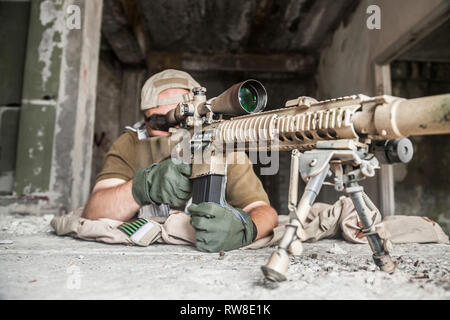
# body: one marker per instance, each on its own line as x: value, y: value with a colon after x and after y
x: 36, y: 264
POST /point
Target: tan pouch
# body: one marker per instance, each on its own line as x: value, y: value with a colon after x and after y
x: 322, y: 220
x: 177, y: 229
x: 350, y: 225
x: 413, y: 229
x: 102, y: 230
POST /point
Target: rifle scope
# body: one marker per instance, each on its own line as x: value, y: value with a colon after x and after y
x: 248, y: 96
x: 245, y: 97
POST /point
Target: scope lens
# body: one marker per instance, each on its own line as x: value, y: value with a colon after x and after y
x: 248, y: 97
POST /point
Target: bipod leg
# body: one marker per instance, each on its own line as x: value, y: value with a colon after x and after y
x: 278, y: 263
x: 365, y: 209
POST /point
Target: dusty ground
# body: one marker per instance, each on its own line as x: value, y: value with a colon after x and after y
x: 36, y: 264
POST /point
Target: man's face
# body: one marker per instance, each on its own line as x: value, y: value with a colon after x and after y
x: 162, y: 110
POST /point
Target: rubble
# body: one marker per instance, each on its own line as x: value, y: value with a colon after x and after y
x: 182, y: 272
x: 335, y: 249
x: 25, y: 225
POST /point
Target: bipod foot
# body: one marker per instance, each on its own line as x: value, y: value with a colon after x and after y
x: 276, y: 267
x: 385, y: 263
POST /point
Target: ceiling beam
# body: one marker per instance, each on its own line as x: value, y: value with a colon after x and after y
x: 131, y: 30
x: 117, y: 31
x: 287, y: 63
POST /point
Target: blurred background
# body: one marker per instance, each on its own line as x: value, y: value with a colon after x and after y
x: 71, y: 72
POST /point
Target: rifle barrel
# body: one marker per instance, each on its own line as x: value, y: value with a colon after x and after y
x: 355, y: 117
x: 400, y: 118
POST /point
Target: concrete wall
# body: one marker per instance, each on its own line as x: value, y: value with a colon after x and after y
x: 14, y: 17
x: 107, y: 109
x: 58, y: 105
x: 347, y: 65
x: 117, y: 106
x: 422, y: 187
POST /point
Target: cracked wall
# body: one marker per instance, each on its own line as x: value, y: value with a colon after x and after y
x: 58, y: 105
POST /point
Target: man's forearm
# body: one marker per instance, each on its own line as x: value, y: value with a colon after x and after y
x: 114, y: 203
x: 265, y: 218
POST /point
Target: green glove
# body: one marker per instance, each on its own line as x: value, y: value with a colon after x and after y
x: 165, y: 182
x: 218, y: 228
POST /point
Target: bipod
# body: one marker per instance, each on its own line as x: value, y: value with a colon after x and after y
x: 350, y: 162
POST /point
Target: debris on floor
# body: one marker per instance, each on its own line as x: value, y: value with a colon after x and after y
x: 25, y: 225
x: 335, y: 249
x: 41, y: 265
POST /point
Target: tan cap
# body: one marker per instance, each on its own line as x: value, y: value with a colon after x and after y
x: 167, y: 79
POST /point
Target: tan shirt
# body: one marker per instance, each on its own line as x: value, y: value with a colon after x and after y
x: 128, y: 154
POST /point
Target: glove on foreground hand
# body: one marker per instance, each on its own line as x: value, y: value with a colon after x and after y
x: 165, y: 182
x: 217, y: 228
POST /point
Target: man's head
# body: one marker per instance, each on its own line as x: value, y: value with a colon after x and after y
x: 162, y: 92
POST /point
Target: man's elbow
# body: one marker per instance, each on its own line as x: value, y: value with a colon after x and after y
x: 273, y: 216
x: 89, y: 212
x: 270, y: 214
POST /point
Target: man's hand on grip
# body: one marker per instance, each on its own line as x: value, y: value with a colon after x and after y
x: 165, y: 182
x: 219, y: 227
